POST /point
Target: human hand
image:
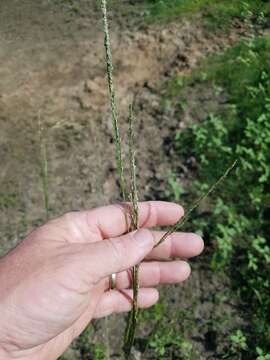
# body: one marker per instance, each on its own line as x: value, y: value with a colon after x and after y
x: 56, y: 280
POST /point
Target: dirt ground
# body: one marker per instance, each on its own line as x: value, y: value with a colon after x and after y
x: 52, y: 69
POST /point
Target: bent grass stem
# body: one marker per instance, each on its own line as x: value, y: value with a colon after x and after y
x: 185, y: 218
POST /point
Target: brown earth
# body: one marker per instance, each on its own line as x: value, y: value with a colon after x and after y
x: 52, y: 68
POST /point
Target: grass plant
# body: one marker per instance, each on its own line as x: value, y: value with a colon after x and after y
x: 43, y: 161
x: 132, y: 318
x: 133, y: 194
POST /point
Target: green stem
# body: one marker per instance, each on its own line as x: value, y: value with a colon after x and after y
x: 117, y: 138
x: 185, y: 218
x: 43, y: 167
x: 133, y: 315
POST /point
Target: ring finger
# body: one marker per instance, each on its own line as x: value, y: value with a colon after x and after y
x: 155, y: 273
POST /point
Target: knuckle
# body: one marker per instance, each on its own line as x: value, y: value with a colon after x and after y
x: 151, y: 215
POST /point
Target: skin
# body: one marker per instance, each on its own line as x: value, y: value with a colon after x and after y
x: 57, y: 279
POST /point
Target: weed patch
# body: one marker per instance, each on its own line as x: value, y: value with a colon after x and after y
x: 238, y: 217
x: 217, y: 15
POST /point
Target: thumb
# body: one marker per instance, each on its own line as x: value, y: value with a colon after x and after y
x: 117, y: 254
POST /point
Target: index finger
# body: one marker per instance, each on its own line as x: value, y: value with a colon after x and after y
x: 111, y: 221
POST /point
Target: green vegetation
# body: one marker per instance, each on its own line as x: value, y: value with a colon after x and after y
x: 218, y: 14
x: 165, y: 342
x: 8, y: 200
x: 169, y: 337
x: 86, y: 347
x: 238, y: 216
x: 89, y: 350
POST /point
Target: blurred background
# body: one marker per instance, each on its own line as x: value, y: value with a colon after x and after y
x: 198, y: 72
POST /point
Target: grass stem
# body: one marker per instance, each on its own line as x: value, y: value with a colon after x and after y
x: 185, y: 218
x: 43, y: 166
x: 109, y: 64
x: 133, y: 315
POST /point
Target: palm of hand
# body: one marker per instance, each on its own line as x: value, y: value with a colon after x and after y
x: 63, y: 272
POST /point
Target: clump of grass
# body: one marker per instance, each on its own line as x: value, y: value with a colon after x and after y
x: 133, y: 316
x: 43, y: 161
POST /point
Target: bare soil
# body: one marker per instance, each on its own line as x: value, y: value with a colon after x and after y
x: 52, y: 68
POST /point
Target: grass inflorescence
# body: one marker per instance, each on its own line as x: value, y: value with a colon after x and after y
x: 109, y: 64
